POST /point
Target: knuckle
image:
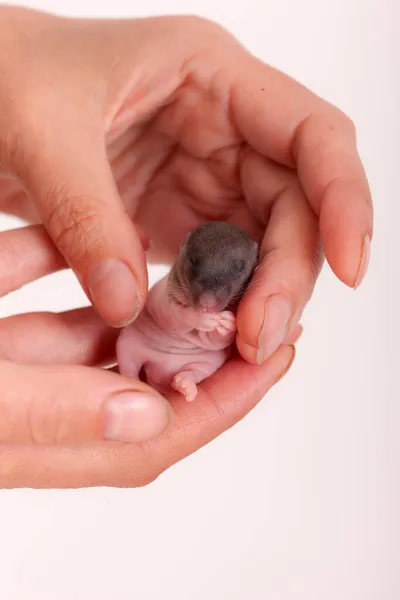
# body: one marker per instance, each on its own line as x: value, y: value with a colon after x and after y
x: 321, y: 129
x: 199, y: 24
x: 302, y: 269
x: 73, y: 223
x: 298, y: 274
x: 45, y: 422
x: 201, y: 33
x: 337, y: 123
x: 146, y: 480
x: 345, y: 122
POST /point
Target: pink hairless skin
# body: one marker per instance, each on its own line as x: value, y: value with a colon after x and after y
x: 185, y: 331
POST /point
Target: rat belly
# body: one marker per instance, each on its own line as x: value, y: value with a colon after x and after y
x: 164, y: 356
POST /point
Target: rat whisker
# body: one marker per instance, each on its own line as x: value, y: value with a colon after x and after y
x: 176, y: 293
x: 244, y: 289
x: 253, y: 285
x: 237, y: 297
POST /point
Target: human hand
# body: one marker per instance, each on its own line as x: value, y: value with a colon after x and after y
x: 170, y: 122
x: 63, y: 422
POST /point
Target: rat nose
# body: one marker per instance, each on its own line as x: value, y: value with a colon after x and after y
x: 207, y: 301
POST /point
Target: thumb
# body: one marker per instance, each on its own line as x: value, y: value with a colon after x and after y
x: 69, y: 178
x: 48, y: 405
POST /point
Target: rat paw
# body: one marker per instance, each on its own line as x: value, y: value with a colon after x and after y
x: 208, y: 321
x: 186, y: 386
x: 227, y: 323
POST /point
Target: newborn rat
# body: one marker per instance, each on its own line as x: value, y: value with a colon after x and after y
x: 185, y: 331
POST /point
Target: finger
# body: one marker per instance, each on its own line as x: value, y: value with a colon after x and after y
x: 294, y: 336
x: 73, y: 337
x: 22, y: 207
x: 286, y: 122
x: 222, y: 401
x: 15, y: 201
x: 46, y: 405
x: 283, y: 283
x: 28, y: 253
x: 72, y: 185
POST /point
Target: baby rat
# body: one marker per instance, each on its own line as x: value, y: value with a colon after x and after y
x: 185, y: 330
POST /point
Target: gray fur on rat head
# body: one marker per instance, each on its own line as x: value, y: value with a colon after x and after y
x: 215, y: 261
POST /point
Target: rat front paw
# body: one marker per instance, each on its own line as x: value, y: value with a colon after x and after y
x: 185, y: 386
x: 208, y: 321
x: 227, y: 323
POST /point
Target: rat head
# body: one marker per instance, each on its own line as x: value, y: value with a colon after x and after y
x: 215, y: 263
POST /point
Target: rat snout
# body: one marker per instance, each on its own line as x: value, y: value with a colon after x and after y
x: 207, y: 301
x: 209, y: 293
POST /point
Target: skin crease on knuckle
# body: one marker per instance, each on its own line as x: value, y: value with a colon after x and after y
x: 314, y: 138
x: 45, y: 425
x: 72, y: 220
x: 69, y: 223
x: 320, y: 125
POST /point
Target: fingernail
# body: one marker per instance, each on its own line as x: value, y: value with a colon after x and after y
x: 364, y: 261
x: 114, y: 291
x: 135, y: 417
x: 274, y: 328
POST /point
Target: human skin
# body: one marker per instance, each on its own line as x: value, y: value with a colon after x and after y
x: 54, y: 403
x: 106, y: 127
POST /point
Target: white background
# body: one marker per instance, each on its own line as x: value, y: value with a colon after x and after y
x: 301, y: 500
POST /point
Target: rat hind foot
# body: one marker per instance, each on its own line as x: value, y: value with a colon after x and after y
x: 185, y: 383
